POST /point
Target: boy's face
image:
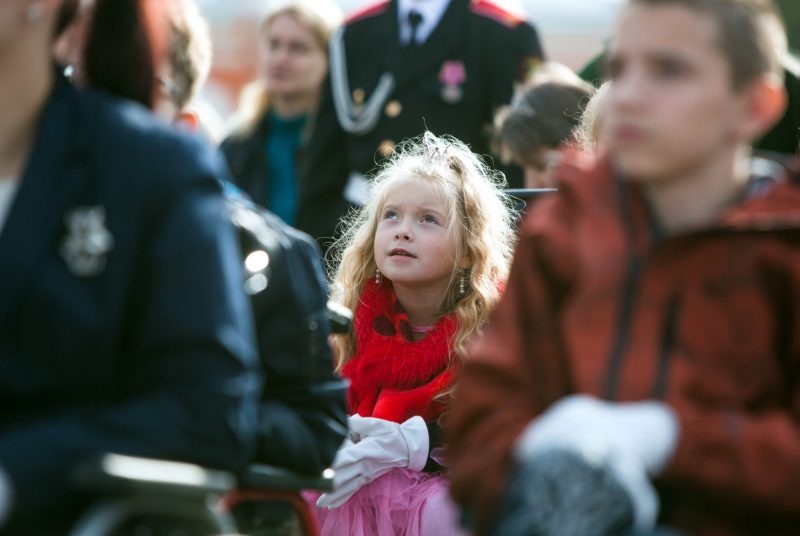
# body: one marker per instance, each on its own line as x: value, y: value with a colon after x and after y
x: 671, y: 108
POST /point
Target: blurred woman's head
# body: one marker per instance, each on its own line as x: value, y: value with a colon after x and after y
x: 293, y: 56
x: 293, y: 47
x: 114, y: 45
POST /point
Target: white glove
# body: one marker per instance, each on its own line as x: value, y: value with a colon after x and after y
x: 635, y: 440
x: 377, y: 447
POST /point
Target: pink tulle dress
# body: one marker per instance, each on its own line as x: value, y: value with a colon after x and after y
x: 401, y: 502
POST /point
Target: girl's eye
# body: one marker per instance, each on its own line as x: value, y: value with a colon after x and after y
x: 389, y: 214
x: 428, y: 219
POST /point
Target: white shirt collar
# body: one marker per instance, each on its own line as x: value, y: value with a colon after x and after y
x: 431, y: 11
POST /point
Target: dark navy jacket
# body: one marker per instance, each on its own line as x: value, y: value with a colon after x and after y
x: 123, y: 326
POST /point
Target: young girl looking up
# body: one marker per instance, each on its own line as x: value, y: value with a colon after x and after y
x: 421, y: 264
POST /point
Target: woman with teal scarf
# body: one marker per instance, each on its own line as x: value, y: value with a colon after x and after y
x: 277, y: 111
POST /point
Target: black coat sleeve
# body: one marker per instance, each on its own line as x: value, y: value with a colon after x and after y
x: 303, y: 416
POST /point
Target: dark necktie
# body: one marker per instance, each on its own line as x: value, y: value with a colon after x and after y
x: 414, y: 20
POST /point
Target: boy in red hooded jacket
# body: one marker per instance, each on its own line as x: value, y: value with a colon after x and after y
x: 648, y: 342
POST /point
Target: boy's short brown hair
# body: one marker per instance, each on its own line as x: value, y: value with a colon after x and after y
x: 751, y: 34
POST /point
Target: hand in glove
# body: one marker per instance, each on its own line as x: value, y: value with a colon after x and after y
x: 633, y: 440
x: 378, y: 446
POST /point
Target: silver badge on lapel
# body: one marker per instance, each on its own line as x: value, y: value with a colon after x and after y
x: 87, y: 242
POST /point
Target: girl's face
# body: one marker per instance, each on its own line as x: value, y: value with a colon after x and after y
x: 413, y: 246
x: 294, y: 63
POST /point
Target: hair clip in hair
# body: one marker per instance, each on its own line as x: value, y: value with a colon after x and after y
x: 433, y: 147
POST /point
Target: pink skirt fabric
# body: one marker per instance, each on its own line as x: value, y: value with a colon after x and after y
x: 400, y: 503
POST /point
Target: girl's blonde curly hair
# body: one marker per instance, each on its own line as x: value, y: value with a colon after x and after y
x: 480, y: 220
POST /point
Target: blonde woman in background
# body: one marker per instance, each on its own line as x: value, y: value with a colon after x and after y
x: 276, y: 116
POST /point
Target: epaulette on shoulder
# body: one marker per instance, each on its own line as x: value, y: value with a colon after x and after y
x: 368, y: 11
x: 496, y: 12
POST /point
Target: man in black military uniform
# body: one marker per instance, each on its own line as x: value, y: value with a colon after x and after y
x: 397, y: 68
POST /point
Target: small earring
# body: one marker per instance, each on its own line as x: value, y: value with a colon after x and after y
x: 462, y: 285
x: 35, y: 13
x: 377, y: 276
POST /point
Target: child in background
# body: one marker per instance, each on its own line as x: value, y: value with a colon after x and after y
x: 421, y: 265
x: 543, y: 116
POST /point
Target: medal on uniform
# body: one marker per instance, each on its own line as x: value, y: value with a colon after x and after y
x: 393, y: 109
x: 452, y: 76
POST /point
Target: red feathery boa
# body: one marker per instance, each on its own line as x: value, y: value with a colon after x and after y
x: 392, y: 376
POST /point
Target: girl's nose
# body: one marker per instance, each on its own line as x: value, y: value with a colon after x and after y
x: 402, y: 232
